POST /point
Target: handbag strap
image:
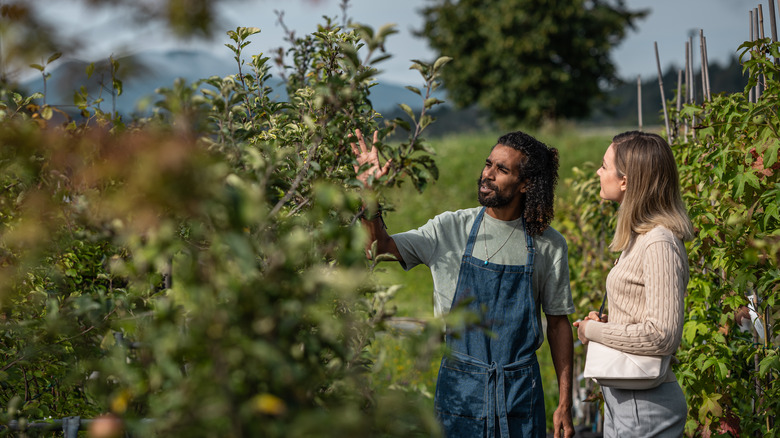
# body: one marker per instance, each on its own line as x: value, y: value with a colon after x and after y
x: 603, y: 302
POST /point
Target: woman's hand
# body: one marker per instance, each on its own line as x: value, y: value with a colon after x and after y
x: 592, y: 316
x: 363, y: 156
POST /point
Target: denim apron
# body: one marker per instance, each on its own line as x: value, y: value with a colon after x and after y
x: 489, y: 383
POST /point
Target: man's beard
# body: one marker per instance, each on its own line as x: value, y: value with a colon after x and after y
x: 496, y: 200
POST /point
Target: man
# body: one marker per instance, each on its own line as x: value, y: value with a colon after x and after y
x: 502, y: 261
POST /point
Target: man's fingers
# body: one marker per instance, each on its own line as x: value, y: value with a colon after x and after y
x: 355, y: 149
x: 352, y: 144
x: 361, y: 141
x: 386, y: 167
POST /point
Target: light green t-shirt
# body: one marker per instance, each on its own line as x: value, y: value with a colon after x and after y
x: 440, y: 244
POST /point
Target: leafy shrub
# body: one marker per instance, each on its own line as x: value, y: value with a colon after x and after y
x: 201, y: 272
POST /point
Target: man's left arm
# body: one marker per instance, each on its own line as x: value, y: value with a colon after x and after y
x: 561, y: 342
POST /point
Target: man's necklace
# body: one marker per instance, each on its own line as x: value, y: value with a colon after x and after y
x: 484, y: 235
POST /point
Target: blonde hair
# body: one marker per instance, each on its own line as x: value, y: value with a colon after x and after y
x: 652, y: 195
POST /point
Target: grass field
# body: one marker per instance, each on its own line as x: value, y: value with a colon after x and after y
x: 460, y: 160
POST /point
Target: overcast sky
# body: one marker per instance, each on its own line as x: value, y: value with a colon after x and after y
x: 725, y: 24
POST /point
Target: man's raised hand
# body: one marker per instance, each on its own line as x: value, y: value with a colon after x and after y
x: 363, y: 156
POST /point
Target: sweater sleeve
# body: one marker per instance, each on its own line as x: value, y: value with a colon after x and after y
x: 657, y: 328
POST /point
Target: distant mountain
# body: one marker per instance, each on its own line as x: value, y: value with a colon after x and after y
x: 143, y: 73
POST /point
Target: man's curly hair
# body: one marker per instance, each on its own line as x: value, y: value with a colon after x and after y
x: 540, y: 169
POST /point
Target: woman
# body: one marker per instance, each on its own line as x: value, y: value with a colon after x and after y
x: 646, y: 287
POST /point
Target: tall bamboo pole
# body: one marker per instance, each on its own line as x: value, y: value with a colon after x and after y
x: 706, y: 67
x: 692, y: 87
x: 703, y: 68
x: 679, y: 92
x: 663, y: 98
x: 679, y: 102
x: 752, y: 93
x: 773, y: 22
x: 692, y: 93
x: 763, y: 35
x: 639, y: 99
x: 687, y: 84
x: 756, y: 36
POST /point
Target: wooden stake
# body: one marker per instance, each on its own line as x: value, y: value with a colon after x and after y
x: 755, y: 38
x: 679, y: 101
x: 703, y: 63
x: 751, y: 95
x: 761, y: 21
x: 692, y: 92
x: 772, y: 20
x: 687, y: 82
x: 663, y: 98
x: 762, y: 79
x: 692, y: 73
x: 707, y: 69
x: 751, y: 25
x: 687, y: 72
x: 639, y: 99
x: 679, y: 91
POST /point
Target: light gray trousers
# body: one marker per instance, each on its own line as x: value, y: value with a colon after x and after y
x: 656, y: 412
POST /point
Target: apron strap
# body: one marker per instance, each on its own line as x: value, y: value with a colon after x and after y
x: 473, y: 233
x: 529, y: 245
x: 496, y: 385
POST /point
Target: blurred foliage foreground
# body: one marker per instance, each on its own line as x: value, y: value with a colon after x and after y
x: 202, y: 272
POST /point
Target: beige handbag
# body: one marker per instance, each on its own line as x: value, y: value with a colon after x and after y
x: 617, y: 369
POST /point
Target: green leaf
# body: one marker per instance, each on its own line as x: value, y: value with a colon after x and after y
x: 246, y: 32
x: 108, y: 340
x: 689, y: 331
x: 739, y: 181
x: 752, y: 180
x: 47, y: 113
x: 440, y: 62
x: 381, y: 58
x: 770, y: 158
x: 770, y: 363
x: 414, y: 90
x: 710, y: 361
x: 386, y: 30
x: 54, y: 57
x: 770, y: 212
x: 408, y: 110
x: 711, y: 406
x: 117, y: 86
x: 431, y: 101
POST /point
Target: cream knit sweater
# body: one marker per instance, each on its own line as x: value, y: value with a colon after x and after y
x: 645, y: 301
